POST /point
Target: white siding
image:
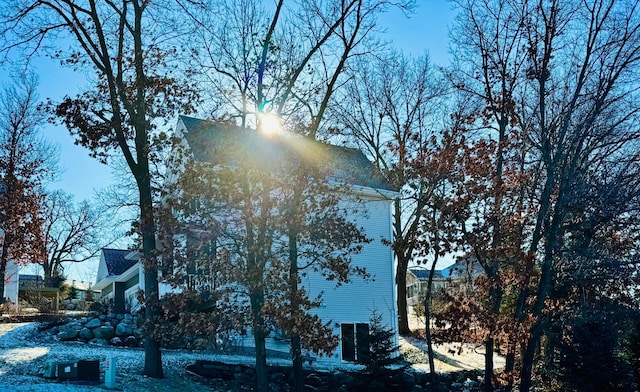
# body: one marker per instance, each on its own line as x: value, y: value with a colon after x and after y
x: 102, y: 268
x: 11, y: 282
x: 354, y: 302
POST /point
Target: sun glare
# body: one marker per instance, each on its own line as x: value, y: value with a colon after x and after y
x: 269, y: 124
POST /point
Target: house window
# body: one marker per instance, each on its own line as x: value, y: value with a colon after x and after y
x: 355, y: 342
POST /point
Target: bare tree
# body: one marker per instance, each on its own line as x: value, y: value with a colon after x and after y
x: 288, y: 59
x: 73, y: 233
x: 556, y: 80
x: 391, y: 110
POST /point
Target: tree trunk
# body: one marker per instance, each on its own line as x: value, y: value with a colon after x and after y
x: 495, y: 299
x: 432, y: 365
x: 296, y: 350
x: 510, y: 361
x: 259, y: 336
x: 544, y: 286
x: 528, y: 357
x: 488, y: 365
x: 401, y: 281
x: 153, y: 355
x: 297, y: 362
x: 427, y: 314
x: 401, y: 269
x: 3, y: 271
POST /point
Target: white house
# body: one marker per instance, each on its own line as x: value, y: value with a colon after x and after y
x: 348, y: 307
x: 120, y: 276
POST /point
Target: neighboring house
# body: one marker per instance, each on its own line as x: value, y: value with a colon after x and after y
x: 348, y: 307
x: 417, y: 283
x: 19, y: 286
x: 461, y: 273
x: 120, y: 276
x: 82, y: 288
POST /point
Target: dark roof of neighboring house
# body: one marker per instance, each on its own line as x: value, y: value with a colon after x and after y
x: 116, y: 261
x: 217, y: 142
x: 423, y: 273
x: 30, y: 278
x: 465, y: 266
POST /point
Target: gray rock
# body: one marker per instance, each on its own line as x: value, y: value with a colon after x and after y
x: 116, y: 342
x: 69, y: 331
x: 131, y: 341
x: 124, y: 330
x: 95, y: 323
x: 99, y: 342
x: 278, y: 377
x: 104, y: 332
x: 85, y: 334
x: 138, y: 333
x: 314, y: 380
x: 127, y: 322
x: 102, y: 317
x: 68, y: 334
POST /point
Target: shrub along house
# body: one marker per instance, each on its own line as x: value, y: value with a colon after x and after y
x: 347, y: 307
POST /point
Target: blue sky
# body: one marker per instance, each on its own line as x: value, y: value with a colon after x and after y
x: 81, y: 175
x: 426, y: 30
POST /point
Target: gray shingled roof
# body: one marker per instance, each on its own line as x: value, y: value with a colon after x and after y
x: 226, y: 143
x: 423, y: 273
x: 116, y: 261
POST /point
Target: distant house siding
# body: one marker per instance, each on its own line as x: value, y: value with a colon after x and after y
x: 134, y: 281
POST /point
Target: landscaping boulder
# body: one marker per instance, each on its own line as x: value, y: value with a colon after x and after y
x: 95, y: 323
x: 116, y: 341
x: 99, y: 342
x: 131, y: 341
x: 138, y: 333
x: 86, y: 334
x: 124, y: 329
x: 104, y: 332
x: 69, y: 331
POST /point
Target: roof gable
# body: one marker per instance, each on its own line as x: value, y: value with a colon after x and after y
x: 226, y: 143
x: 116, y: 261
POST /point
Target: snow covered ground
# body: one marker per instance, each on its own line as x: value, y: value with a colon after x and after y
x: 24, y: 355
x: 23, y: 360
